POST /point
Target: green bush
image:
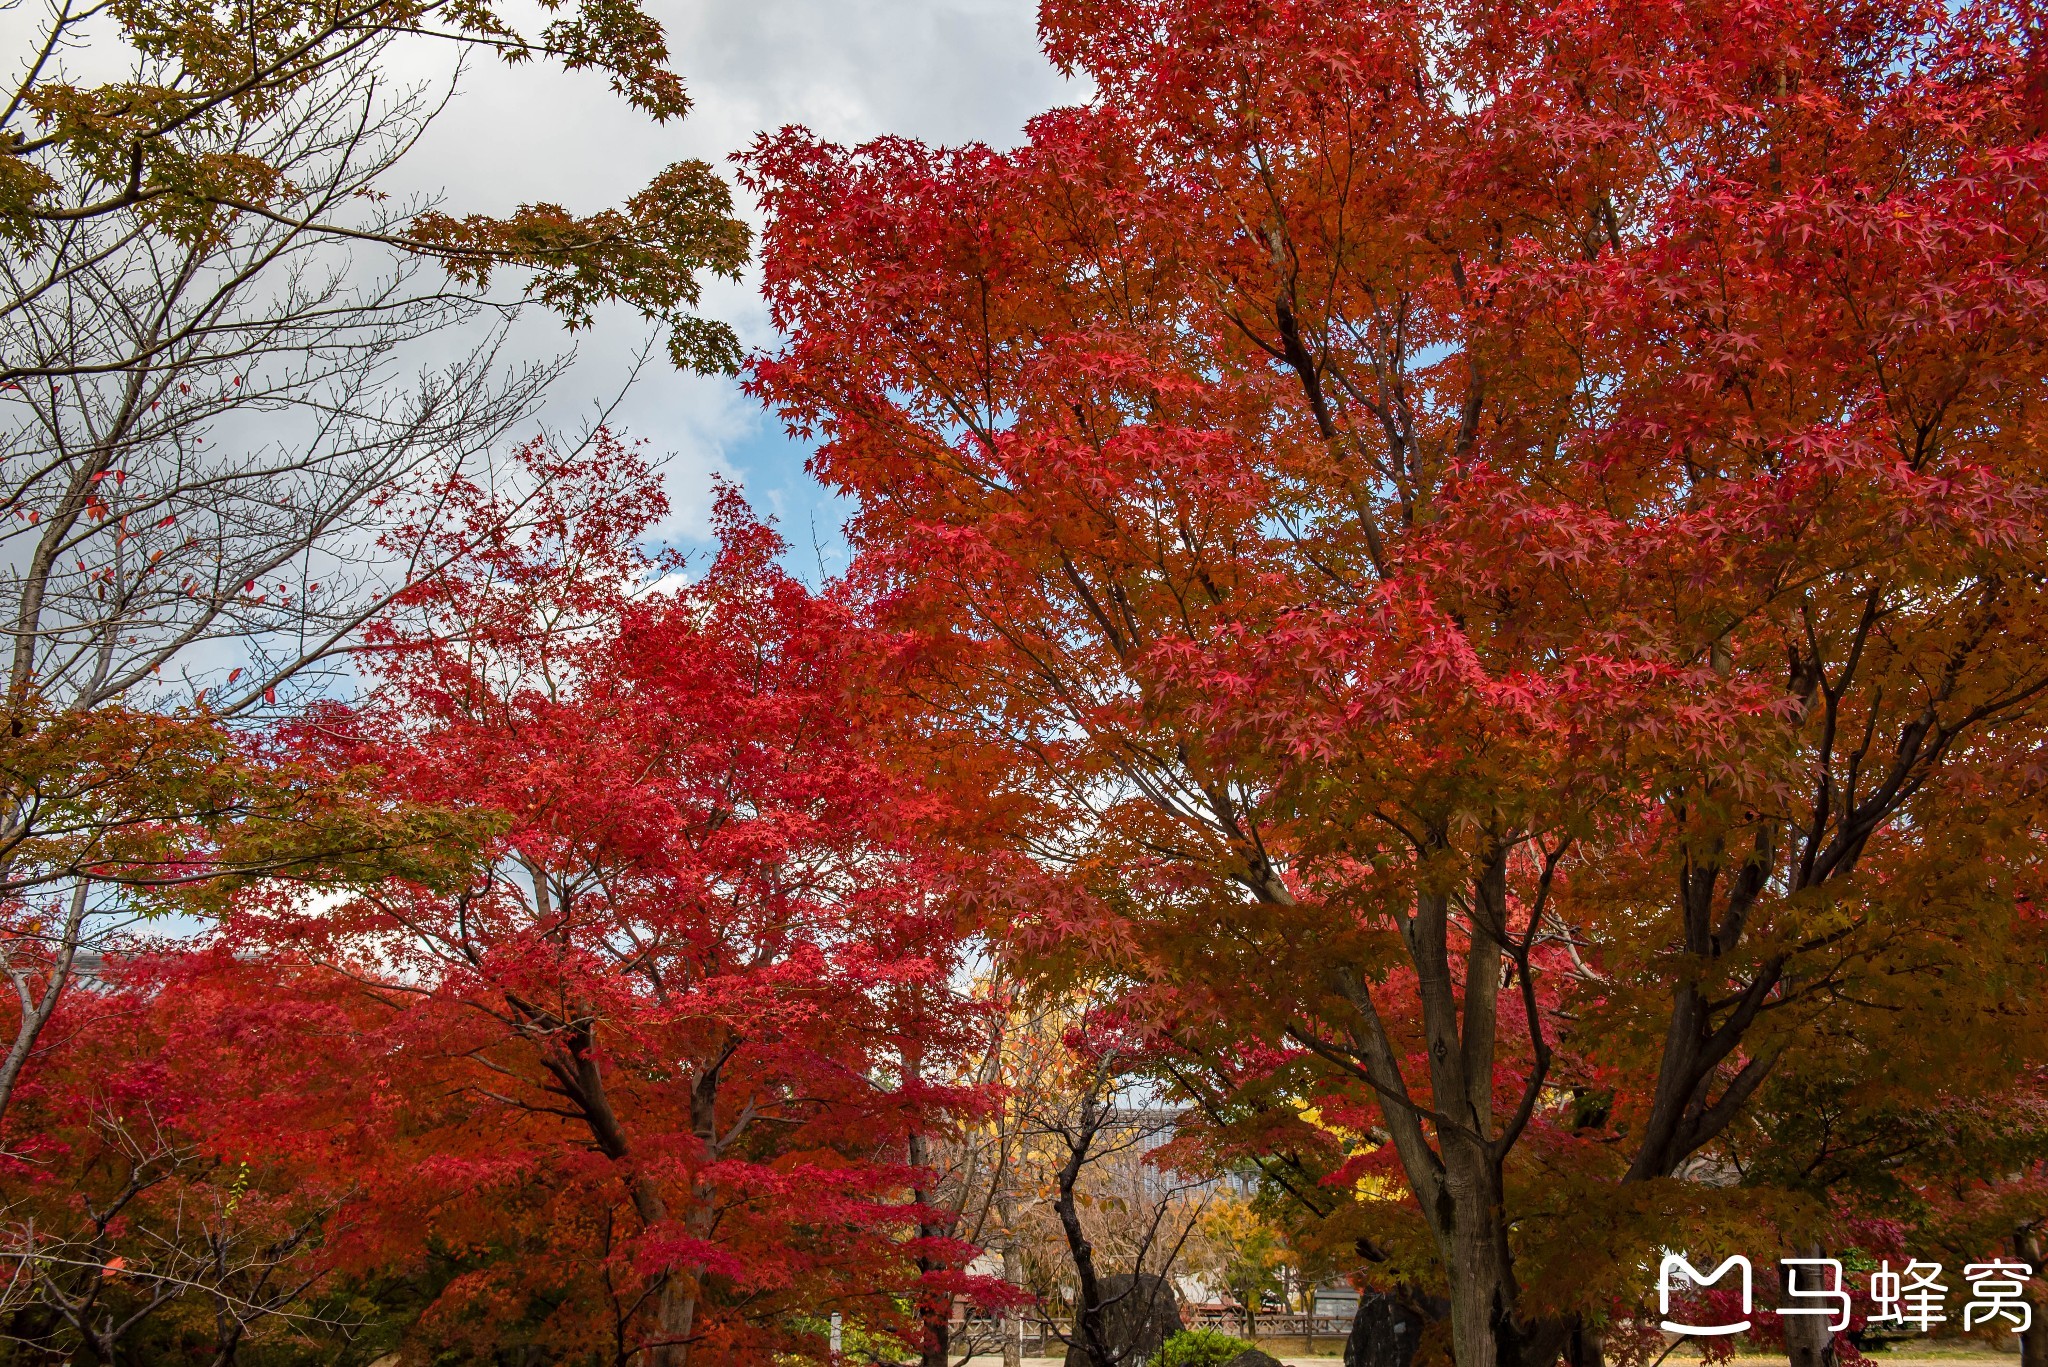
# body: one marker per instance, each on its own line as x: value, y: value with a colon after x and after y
x: 1199, y: 1348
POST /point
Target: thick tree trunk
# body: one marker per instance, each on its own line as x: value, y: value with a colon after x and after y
x: 1808, y: 1340
x: 938, y: 1315
x: 1469, y: 1219
x: 1587, y: 1347
x: 1013, y: 1322
x: 675, y: 1302
x: 1479, y: 1292
x: 939, y: 1346
x: 2030, y: 1243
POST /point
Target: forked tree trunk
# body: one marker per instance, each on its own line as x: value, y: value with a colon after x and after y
x: 676, y: 1323
x: 1088, y: 1329
x: 675, y: 1296
x: 1457, y: 1178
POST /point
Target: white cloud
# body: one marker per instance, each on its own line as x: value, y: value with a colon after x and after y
x: 946, y: 71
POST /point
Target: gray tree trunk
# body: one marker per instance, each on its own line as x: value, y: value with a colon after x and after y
x: 1013, y: 1321
x: 1808, y: 1340
x: 2031, y: 1245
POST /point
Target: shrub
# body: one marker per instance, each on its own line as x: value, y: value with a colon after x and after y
x: 1199, y: 1348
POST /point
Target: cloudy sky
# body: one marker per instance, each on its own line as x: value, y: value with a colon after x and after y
x: 947, y: 71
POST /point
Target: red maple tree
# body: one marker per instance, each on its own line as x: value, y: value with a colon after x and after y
x: 1507, y: 544
x: 197, y: 1170
x: 698, y: 1004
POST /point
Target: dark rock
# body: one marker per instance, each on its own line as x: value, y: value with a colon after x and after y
x: 1252, y: 1357
x: 1138, y: 1314
x: 1383, y: 1333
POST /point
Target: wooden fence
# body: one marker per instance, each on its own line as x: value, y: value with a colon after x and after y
x: 1270, y: 1324
x: 1046, y: 1338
